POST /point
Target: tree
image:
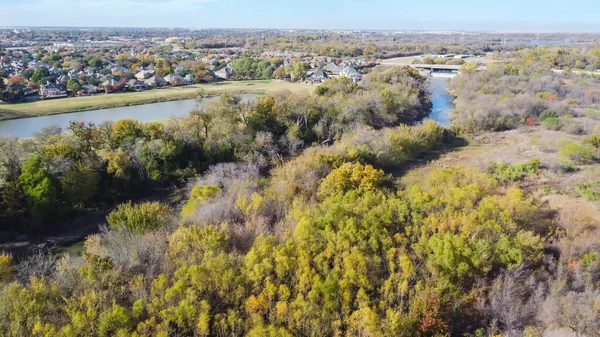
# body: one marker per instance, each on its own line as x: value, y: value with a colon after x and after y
x: 298, y: 70
x: 141, y: 217
x: 38, y: 186
x: 73, y: 85
x: 17, y: 79
x: 79, y: 184
x: 27, y: 73
x: 40, y: 75
x: 469, y: 68
x: 2, y: 89
x: 95, y: 62
x: 126, y: 129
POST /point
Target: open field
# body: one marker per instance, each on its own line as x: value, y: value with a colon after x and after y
x: 519, y: 146
x: 102, y: 101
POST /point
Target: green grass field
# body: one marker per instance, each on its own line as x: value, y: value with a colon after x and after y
x: 101, y: 101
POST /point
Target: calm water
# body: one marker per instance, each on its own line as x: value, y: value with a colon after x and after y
x: 27, y: 127
x: 442, y: 101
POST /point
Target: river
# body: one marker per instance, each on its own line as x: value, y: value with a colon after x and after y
x: 27, y: 127
x: 442, y: 101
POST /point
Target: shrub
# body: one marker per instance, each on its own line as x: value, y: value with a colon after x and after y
x: 139, y: 217
x: 573, y: 153
x: 530, y: 121
x: 393, y: 146
x: 6, y: 267
x: 593, y: 140
x: 199, y: 195
x: 588, y: 190
x: 552, y: 123
x: 575, y: 128
x: 547, y: 114
x: 515, y: 172
x: 350, y: 176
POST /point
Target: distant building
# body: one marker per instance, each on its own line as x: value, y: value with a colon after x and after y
x: 173, y: 79
x: 333, y: 68
x: 351, y: 73
x: 63, y: 79
x: 144, y: 74
x: 110, y: 84
x: 51, y: 90
x: 117, y: 69
x: 225, y: 73
x: 318, y: 76
x: 88, y: 89
x: 189, y: 79
x: 137, y: 85
x: 24, y: 89
x: 156, y: 82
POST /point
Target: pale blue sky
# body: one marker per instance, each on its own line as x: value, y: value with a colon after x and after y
x: 539, y: 15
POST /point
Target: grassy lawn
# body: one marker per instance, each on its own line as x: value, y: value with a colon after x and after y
x: 101, y: 101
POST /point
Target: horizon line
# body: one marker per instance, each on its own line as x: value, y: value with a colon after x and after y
x: 493, y: 31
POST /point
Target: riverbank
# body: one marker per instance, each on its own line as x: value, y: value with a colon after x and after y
x: 102, y: 101
x: 27, y: 127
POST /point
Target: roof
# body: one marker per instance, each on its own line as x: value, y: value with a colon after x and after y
x: 318, y: 75
x: 154, y: 80
x: 89, y: 88
x: 53, y: 86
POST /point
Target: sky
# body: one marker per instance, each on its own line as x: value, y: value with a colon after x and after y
x: 481, y: 15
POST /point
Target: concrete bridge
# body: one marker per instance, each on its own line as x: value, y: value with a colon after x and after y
x: 435, y: 70
x: 436, y: 67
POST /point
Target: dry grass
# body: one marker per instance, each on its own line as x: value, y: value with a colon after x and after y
x: 102, y: 101
x: 518, y: 146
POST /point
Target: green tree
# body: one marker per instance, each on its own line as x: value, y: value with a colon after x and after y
x: 73, y: 85
x: 79, y: 184
x: 38, y: 186
x: 40, y: 75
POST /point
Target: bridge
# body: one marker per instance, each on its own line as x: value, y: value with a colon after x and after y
x: 437, y: 67
x: 432, y: 69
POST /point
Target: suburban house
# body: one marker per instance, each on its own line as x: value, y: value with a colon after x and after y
x: 351, y: 73
x: 318, y: 76
x: 63, y: 79
x: 173, y: 79
x: 144, y: 75
x: 88, y: 89
x: 156, y: 82
x: 24, y: 89
x: 110, y: 84
x: 137, y: 85
x: 333, y: 68
x: 51, y: 90
x: 118, y: 69
x: 224, y: 74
